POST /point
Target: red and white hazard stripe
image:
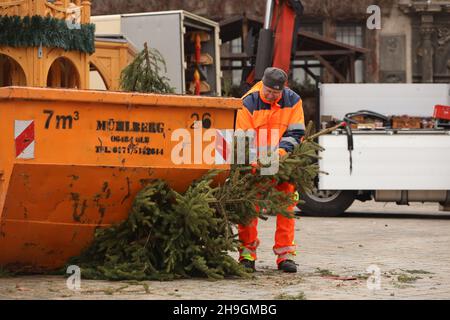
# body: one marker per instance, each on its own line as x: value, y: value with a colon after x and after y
x: 24, y: 138
x: 223, y: 153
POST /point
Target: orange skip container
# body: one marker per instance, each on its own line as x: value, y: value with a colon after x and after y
x: 73, y: 160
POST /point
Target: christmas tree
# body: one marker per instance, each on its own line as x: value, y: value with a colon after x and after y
x: 170, y: 235
x: 144, y: 73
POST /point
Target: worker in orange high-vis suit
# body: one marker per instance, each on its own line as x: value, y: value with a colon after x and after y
x: 270, y: 105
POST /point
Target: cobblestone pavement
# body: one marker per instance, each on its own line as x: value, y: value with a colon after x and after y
x: 410, y: 246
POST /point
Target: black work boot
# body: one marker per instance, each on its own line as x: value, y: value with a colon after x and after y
x: 248, y: 264
x: 287, y: 266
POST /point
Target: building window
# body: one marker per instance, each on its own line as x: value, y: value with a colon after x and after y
x: 352, y: 35
x: 236, y: 75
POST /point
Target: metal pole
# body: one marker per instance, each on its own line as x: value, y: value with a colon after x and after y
x: 265, y: 44
x: 268, y: 17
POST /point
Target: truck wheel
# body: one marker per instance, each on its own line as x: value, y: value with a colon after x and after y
x: 320, y: 203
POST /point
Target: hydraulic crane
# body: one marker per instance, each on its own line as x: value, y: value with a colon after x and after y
x: 277, y: 39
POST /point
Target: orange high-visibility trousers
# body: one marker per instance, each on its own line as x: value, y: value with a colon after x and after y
x: 284, y: 246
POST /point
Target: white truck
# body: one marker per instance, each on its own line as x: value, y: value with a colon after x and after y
x: 388, y: 165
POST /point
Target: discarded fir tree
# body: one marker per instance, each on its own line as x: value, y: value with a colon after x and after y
x: 170, y: 235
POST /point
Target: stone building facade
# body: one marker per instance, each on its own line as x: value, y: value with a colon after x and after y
x: 413, y: 44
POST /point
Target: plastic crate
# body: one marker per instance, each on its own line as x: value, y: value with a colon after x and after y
x: 442, y: 112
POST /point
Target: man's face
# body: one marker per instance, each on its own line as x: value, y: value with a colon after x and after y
x: 270, y: 94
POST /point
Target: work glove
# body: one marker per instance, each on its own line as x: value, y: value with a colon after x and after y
x: 282, y: 153
x: 255, y: 167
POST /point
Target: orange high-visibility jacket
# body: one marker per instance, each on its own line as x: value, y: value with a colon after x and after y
x: 286, y: 115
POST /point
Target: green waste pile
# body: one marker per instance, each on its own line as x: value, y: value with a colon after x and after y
x: 170, y: 235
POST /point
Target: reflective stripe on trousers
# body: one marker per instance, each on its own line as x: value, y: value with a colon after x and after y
x: 283, y: 250
x: 284, y: 235
x: 248, y: 251
x: 287, y: 256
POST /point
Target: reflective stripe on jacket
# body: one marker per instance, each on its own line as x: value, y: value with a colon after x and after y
x: 286, y: 115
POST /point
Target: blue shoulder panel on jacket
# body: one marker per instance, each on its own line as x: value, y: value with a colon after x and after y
x: 290, y: 98
x: 253, y: 103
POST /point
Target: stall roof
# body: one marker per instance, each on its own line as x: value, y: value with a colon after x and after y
x: 308, y: 44
x: 336, y: 57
